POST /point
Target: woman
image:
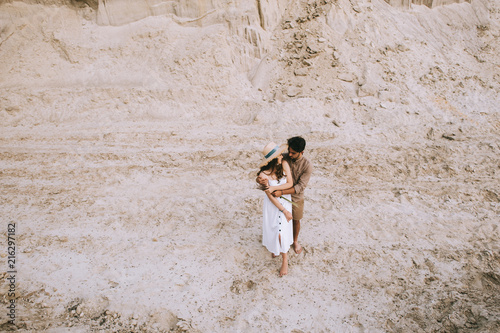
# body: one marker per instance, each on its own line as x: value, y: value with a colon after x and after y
x: 277, y: 230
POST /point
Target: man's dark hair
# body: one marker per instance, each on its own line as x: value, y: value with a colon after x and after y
x: 297, y: 143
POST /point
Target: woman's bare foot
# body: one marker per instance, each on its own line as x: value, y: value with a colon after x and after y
x: 284, y: 265
x: 273, y: 255
x: 297, y: 248
x: 284, y: 270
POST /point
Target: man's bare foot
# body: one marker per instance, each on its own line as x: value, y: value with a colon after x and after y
x: 297, y: 248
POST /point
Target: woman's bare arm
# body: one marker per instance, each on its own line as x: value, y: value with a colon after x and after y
x: 276, y: 202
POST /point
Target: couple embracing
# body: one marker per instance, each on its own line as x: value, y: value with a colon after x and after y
x: 283, y: 177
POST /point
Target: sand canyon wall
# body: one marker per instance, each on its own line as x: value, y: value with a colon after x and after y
x: 266, y: 13
x: 263, y: 13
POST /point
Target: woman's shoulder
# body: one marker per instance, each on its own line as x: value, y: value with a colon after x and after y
x: 286, y: 164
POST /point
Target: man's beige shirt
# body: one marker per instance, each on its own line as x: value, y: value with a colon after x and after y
x: 301, y: 173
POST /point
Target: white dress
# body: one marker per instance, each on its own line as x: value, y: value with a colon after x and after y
x: 275, y: 223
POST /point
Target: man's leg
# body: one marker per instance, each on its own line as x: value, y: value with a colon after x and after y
x: 296, y: 230
x: 297, y: 212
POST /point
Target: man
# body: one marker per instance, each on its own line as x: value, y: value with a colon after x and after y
x: 301, y: 169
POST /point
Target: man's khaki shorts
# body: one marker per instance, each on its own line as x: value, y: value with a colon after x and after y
x: 298, y: 210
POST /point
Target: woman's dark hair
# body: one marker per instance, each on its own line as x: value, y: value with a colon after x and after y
x: 297, y: 143
x: 274, y: 167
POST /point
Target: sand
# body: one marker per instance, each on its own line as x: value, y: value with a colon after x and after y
x: 128, y: 155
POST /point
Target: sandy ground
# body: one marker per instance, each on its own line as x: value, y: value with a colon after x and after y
x: 128, y: 157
